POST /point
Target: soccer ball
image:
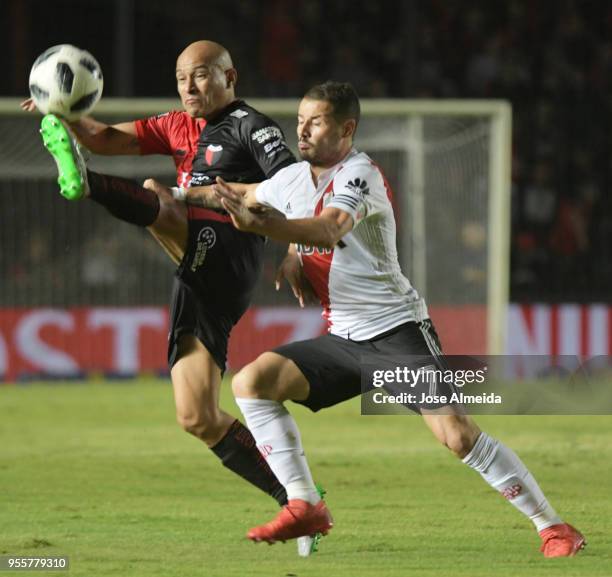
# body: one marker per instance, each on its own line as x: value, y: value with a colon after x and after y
x: 67, y: 81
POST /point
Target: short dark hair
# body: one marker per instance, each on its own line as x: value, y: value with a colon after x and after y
x: 341, y: 95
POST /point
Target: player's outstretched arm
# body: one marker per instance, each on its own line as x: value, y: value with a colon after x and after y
x: 106, y: 139
x: 99, y: 137
x: 324, y: 230
x: 205, y: 196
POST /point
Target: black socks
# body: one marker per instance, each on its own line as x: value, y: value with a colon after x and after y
x: 124, y: 198
x: 238, y: 452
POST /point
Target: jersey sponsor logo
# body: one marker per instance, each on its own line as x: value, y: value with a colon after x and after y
x: 162, y: 115
x: 239, y: 113
x: 271, y: 148
x: 308, y: 250
x: 213, y: 153
x: 358, y: 186
x: 512, y: 492
x: 199, y: 179
x: 268, y: 133
x: 207, y: 237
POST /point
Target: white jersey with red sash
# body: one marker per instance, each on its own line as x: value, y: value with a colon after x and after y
x: 359, y: 282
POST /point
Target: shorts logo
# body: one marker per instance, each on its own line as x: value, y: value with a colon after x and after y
x: 207, y: 237
x: 213, y: 153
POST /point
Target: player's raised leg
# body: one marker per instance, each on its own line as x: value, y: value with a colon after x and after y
x: 123, y: 198
x: 260, y: 389
x: 66, y: 151
x: 501, y: 468
x: 196, y: 379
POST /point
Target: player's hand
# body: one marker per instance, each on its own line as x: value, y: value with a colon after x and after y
x: 157, y: 187
x: 28, y: 105
x: 235, y: 204
x: 163, y: 192
x: 291, y: 270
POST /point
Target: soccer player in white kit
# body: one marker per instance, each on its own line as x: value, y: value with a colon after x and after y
x: 339, y: 219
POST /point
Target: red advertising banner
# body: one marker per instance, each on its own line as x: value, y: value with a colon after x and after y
x: 126, y: 341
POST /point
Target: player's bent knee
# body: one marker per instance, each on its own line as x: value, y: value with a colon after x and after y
x: 459, y: 442
x: 461, y: 436
x: 246, y: 383
x: 204, y: 425
x: 457, y: 432
x: 258, y: 380
x: 171, y: 212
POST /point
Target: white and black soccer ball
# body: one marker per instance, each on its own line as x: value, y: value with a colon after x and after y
x: 67, y: 81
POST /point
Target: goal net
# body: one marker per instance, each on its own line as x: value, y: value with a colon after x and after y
x: 448, y: 163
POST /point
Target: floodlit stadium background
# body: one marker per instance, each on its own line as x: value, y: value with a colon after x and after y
x: 552, y: 66
x: 96, y: 468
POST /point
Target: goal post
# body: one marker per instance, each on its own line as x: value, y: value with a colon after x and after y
x: 448, y: 162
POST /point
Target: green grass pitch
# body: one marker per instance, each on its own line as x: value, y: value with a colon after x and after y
x: 102, y: 473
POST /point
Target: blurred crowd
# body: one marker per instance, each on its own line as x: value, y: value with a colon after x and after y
x: 551, y: 59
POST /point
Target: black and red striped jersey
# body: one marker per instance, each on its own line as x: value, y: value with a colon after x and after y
x: 240, y: 145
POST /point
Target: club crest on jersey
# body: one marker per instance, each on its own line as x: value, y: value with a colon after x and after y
x: 213, y: 153
x: 207, y: 237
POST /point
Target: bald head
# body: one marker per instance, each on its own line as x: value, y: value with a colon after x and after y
x: 205, y: 51
x: 205, y: 78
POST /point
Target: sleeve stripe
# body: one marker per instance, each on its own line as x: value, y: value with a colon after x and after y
x: 346, y: 199
x: 342, y: 205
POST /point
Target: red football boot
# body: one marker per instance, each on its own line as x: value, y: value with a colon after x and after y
x: 296, y: 519
x: 561, y: 540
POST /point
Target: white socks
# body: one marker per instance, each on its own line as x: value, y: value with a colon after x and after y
x: 505, y: 472
x: 278, y: 440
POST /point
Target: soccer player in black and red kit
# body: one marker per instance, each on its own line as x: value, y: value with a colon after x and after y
x: 218, y: 266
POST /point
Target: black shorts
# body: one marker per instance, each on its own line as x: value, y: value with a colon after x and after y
x: 333, y: 365
x: 214, y: 283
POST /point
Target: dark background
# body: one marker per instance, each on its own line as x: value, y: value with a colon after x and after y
x: 552, y: 60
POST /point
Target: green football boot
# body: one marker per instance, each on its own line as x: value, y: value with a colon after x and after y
x: 66, y: 151
x: 308, y: 545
